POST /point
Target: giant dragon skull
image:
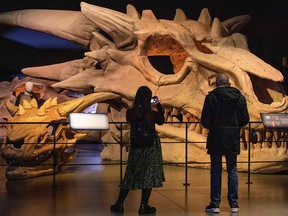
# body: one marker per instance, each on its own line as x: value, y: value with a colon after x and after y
x: 29, y: 149
x: 122, y: 48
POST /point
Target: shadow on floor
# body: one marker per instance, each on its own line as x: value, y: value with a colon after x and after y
x: 84, y: 190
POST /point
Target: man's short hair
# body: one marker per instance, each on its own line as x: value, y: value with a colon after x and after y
x: 222, y: 79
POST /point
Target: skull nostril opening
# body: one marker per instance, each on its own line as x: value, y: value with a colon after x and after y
x: 267, y: 91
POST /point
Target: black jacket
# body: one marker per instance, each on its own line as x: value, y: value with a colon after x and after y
x: 156, y: 117
x: 224, y: 113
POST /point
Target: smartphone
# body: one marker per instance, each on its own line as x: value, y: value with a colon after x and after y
x: 154, y: 100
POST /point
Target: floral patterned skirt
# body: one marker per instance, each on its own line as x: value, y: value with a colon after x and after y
x: 144, y: 168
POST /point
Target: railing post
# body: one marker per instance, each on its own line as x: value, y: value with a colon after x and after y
x: 186, y: 184
x: 54, y: 156
x: 121, y: 154
x: 249, y: 157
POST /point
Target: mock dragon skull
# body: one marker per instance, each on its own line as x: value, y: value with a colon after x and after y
x: 122, y: 51
x: 29, y: 149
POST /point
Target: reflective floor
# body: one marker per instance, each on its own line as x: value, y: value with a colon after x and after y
x: 84, y: 190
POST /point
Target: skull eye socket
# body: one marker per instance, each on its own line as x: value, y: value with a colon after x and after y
x: 165, y: 54
x: 162, y: 64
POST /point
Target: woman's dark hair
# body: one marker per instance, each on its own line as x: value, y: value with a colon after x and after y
x: 142, y: 102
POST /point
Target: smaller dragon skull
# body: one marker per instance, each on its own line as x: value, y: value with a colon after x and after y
x: 29, y: 149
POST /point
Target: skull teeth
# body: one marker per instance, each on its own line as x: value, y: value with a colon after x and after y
x: 262, y: 139
x: 176, y: 117
x: 31, y: 162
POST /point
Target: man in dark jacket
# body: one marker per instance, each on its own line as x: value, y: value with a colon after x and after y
x: 224, y: 113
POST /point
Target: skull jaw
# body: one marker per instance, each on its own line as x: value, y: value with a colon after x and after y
x: 45, y: 168
x: 271, y: 160
x: 17, y: 173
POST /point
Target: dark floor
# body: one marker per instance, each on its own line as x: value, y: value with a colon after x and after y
x: 84, y: 190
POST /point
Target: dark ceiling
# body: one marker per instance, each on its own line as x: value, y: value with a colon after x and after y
x: 267, y: 32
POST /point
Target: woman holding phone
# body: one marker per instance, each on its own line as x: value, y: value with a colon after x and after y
x: 144, y: 168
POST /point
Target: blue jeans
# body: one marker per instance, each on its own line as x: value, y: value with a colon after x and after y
x: 216, y: 178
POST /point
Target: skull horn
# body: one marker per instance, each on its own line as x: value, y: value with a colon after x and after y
x: 12, y: 109
x: 59, y: 71
x: 26, y: 104
x: 34, y: 103
x: 216, y: 29
x: 180, y: 15
x: 132, y: 12
x: 79, y: 104
x: 65, y: 24
x: 205, y: 17
x: 22, y: 110
x: 235, y: 24
x: 117, y: 25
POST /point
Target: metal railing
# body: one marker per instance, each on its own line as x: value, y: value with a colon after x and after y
x: 122, y: 143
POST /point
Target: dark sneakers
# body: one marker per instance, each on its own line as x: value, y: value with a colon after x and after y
x: 234, y: 208
x: 146, y: 209
x: 117, y: 207
x: 212, y: 208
